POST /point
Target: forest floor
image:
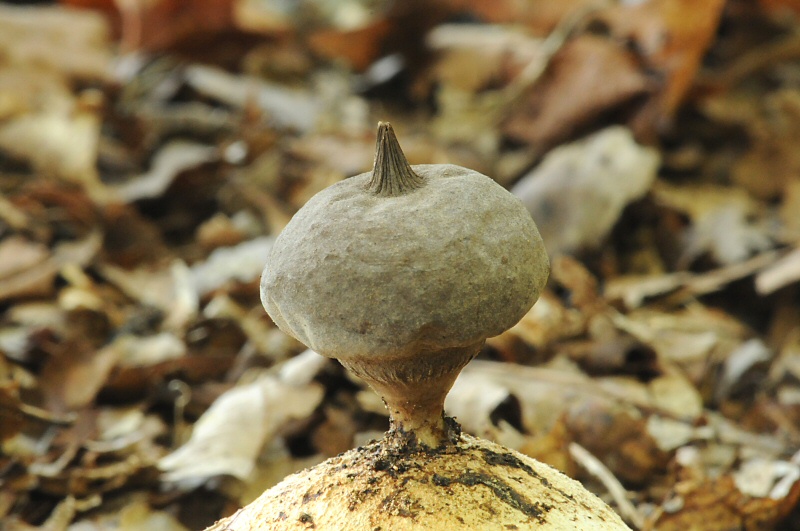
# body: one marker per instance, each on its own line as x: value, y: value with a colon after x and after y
x: 150, y: 152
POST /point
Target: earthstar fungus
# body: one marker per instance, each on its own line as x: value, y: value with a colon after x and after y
x: 401, y: 274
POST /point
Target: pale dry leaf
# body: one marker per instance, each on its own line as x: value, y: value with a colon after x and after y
x: 18, y: 254
x: 170, y: 289
x: 471, y: 56
x: 748, y: 356
x: 264, y: 339
x: 783, y: 272
x: 264, y: 17
x: 296, y: 109
x: 727, y: 222
x: 129, y: 433
x: 634, y: 290
x: 303, y: 368
x: 138, y: 351
x: 170, y: 161
x: 472, y: 400
x: 24, y: 90
x: 727, y: 234
x: 58, y: 142
x: 346, y: 155
x: 668, y: 433
x: 546, y: 322
x: 689, y: 338
x: 759, y: 476
x: 243, y: 263
x: 75, y: 43
x: 578, y: 192
x: 228, y: 438
x: 544, y: 394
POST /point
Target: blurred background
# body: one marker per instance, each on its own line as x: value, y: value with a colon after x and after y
x: 151, y: 150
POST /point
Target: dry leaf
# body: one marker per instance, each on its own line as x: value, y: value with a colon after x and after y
x: 472, y: 400
x: 783, y: 272
x: 694, y: 504
x: 672, y: 36
x: 36, y: 276
x: 60, y: 142
x: 243, y: 263
x: 228, y: 438
x: 579, y: 190
x: 289, y: 108
x: 575, y: 91
x: 72, y: 379
x: 170, y: 161
x: 72, y: 42
x: 721, y: 219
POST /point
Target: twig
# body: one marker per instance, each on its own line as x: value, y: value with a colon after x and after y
x: 785, y: 49
x: 597, y: 469
x: 551, y: 45
x: 35, y: 413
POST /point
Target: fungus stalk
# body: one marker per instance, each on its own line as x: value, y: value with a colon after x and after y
x: 414, y: 391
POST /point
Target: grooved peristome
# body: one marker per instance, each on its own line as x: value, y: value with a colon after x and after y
x: 392, y: 175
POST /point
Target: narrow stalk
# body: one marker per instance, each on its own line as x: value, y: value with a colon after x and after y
x: 414, y: 391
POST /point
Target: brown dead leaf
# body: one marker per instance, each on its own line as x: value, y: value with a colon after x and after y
x: 771, y: 163
x: 589, y: 76
x: 359, y: 47
x: 617, y: 436
x: 159, y: 24
x: 71, y: 379
x: 672, y: 36
x: 11, y: 418
x: 694, y: 504
x: 31, y: 272
x: 781, y: 8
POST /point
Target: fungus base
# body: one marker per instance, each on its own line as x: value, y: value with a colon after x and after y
x: 472, y: 485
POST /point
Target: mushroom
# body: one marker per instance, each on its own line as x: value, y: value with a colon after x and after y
x: 401, y: 274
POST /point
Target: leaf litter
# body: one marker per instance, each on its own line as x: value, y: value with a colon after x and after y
x: 149, y: 155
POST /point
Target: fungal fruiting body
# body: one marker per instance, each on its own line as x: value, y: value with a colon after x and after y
x: 401, y: 274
